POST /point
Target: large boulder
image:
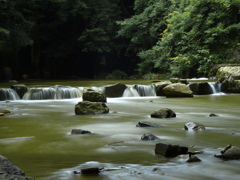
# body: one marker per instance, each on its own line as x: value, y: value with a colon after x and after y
x: 21, y: 89
x: 163, y: 113
x: 159, y: 87
x: 93, y: 95
x: 169, y: 150
x: 200, y: 88
x: 229, y: 85
x: 177, y: 90
x: 91, y: 108
x: 229, y: 153
x: 10, y: 171
x: 227, y: 71
x: 115, y: 90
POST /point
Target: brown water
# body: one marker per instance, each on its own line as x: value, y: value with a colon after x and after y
x: 36, y: 137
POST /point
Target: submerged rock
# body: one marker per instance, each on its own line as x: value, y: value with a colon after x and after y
x: 213, y: 115
x: 93, y: 96
x: 91, y: 108
x: 163, y: 113
x: 80, y: 131
x: 90, y: 171
x: 147, y: 124
x: 193, y: 126
x: 9, y: 171
x: 229, y: 153
x: 169, y: 150
x: 149, y: 137
x: 177, y: 90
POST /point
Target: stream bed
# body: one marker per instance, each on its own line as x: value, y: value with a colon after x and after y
x: 37, y: 137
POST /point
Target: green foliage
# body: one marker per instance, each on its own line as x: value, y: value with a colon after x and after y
x: 199, y: 34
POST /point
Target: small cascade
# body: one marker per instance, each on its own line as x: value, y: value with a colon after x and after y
x: 145, y: 90
x: 56, y: 92
x: 8, y: 94
x: 40, y: 94
x: 215, y: 87
x: 130, y: 92
x: 67, y: 92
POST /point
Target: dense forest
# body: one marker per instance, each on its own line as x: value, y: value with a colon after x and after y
x: 117, y: 38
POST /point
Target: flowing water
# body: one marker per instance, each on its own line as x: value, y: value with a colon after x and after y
x: 37, y: 137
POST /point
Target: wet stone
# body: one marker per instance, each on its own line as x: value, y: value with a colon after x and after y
x: 147, y: 124
x: 149, y: 137
x: 169, y: 150
x: 80, y: 131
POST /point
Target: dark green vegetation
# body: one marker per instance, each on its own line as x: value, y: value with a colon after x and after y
x: 87, y: 39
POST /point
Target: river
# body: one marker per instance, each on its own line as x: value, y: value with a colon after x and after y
x: 37, y: 137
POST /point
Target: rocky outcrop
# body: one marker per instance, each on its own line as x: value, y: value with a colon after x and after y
x: 21, y: 89
x: 229, y: 153
x: 227, y: 71
x: 115, y: 90
x: 93, y: 95
x: 159, y: 87
x: 177, y: 90
x: 91, y: 108
x: 229, y: 85
x: 149, y: 137
x: 163, y: 113
x: 169, y: 150
x: 10, y: 171
x: 193, y: 126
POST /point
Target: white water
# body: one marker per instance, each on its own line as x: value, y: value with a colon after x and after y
x: 8, y: 94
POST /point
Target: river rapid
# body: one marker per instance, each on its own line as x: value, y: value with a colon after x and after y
x: 37, y: 137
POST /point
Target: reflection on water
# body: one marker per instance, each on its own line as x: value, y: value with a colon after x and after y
x: 48, y: 150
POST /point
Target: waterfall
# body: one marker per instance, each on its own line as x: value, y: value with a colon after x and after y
x: 215, y: 87
x: 40, y: 93
x: 8, y: 94
x: 145, y: 90
x: 56, y: 92
x: 130, y: 92
x: 67, y: 92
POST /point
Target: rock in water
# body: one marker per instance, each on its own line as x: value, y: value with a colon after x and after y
x: 91, y: 108
x: 193, y: 126
x: 169, y: 150
x: 229, y: 153
x: 163, y: 113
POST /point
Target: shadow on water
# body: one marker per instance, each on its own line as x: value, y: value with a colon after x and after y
x: 36, y: 137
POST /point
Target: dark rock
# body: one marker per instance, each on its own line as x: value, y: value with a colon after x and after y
x: 80, y: 131
x: 169, y: 150
x: 230, y: 85
x: 190, y: 158
x: 159, y: 87
x: 212, y: 115
x: 149, y: 137
x: 229, y: 153
x: 194, y: 87
x: 163, y: 113
x: 147, y: 124
x: 9, y: 171
x: 93, y: 96
x: 91, y: 108
x: 115, y: 90
x: 21, y: 89
x: 193, y: 126
x: 177, y: 90
x: 90, y: 171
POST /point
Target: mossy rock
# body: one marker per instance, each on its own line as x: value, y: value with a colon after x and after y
x: 91, y: 108
x: 178, y: 90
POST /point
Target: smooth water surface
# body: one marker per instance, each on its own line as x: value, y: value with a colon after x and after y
x: 37, y: 137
